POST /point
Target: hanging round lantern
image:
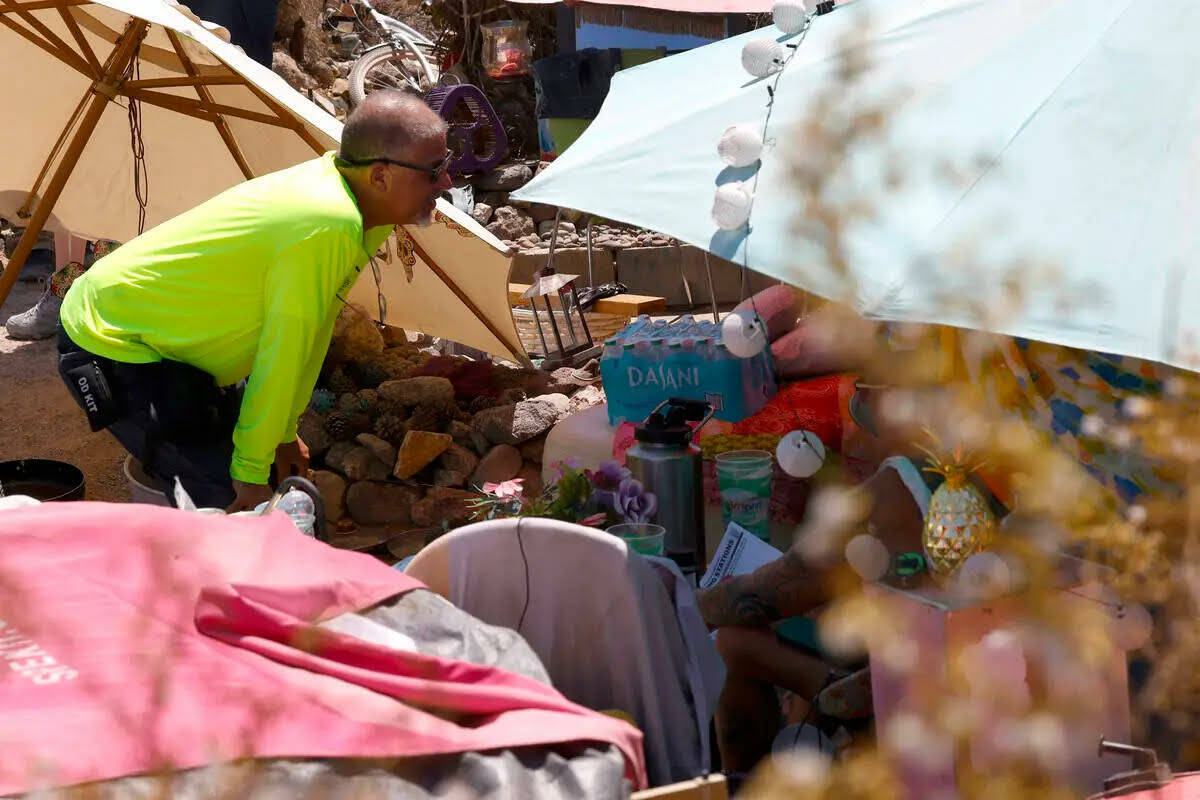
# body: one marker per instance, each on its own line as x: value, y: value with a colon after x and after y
x: 984, y: 575
x: 868, y: 556
x: 740, y: 146
x: 743, y: 334
x: 761, y: 57
x: 1131, y: 626
x: 790, y: 15
x: 800, y: 454
x: 731, y: 206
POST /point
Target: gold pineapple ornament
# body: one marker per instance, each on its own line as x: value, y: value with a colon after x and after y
x: 959, y: 522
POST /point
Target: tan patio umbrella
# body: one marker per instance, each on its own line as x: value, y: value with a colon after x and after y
x: 206, y: 117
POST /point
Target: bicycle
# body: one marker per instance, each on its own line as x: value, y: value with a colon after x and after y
x: 405, y: 60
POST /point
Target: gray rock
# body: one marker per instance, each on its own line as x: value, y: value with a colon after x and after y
x: 340, y: 87
x: 311, y: 430
x: 482, y: 213
x: 479, y: 442
x: 371, y: 503
x: 460, y: 430
x: 325, y: 103
x: 505, y: 178
x: 333, y: 493
x: 499, y: 464
x: 448, y: 477
x: 540, y: 212
x: 337, y: 454
x: 378, y: 471
x: 423, y: 390
x: 458, y: 459
x: 380, y: 448
x: 286, y: 67
x: 559, y: 402
x: 356, y: 464
x: 587, y: 397
x: 517, y: 422
x: 533, y: 449
x: 443, y: 505
x: 508, y: 223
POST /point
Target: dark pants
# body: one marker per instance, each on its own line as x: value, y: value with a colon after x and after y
x: 175, y: 420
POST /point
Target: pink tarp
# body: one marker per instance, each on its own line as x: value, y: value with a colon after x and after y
x: 140, y: 637
x: 691, y: 6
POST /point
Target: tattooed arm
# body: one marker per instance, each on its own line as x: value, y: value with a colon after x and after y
x: 786, y: 587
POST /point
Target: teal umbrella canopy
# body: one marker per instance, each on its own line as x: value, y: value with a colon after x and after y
x: 1071, y: 128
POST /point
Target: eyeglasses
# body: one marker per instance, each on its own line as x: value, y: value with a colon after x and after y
x: 434, y: 172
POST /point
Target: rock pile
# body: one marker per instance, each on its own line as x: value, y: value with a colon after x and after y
x: 402, y: 438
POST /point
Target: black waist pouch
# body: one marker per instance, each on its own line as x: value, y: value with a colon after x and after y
x: 190, y: 407
x: 90, y: 385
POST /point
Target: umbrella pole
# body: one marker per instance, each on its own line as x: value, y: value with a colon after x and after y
x: 103, y: 90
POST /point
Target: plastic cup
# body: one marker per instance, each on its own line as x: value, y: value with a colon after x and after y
x: 744, y: 481
x: 643, y: 538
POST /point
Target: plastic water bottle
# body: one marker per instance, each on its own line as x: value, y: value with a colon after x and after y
x: 300, y: 509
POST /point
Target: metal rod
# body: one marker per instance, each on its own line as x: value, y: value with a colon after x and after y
x: 582, y: 318
x: 687, y: 287
x: 712, y: 292
x: 591, y: 275
x: 553, y: 238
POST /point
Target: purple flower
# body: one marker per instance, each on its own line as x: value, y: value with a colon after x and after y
x: 608, y: 475
x: 634, y: 502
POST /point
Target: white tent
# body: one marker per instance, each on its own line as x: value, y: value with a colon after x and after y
x: 210, y: 117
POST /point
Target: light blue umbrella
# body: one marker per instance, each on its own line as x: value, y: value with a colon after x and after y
x: 1076, y: 125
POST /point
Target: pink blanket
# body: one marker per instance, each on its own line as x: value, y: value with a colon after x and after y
x: 138, y: 638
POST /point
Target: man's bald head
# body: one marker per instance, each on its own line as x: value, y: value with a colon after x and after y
x: 387, y: 124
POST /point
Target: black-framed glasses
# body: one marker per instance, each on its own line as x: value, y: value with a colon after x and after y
x: 434, y: 172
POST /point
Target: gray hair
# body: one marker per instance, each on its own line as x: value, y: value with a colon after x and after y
x: 388, y: 123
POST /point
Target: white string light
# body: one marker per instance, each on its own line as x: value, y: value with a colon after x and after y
x: 790, y: 16
x: 762, y: 56
x: 744, y: 334
x: 740, y: 146
x: 731, y: 206
x: 800, y: 454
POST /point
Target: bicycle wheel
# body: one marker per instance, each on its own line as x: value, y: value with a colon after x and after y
x: 392, y: 65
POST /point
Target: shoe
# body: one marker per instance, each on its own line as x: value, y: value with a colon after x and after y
x: 40, y: 263
x: 847, y: 698
x: 39, y: 322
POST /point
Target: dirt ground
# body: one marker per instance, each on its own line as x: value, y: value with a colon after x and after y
x: 38, y: 419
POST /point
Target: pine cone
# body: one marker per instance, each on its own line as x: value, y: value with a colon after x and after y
x: 431, y: 417
x: 369, y: 374
x: 481, y: 403
x: 396, y: 366
x: 344, y: 426
x: 391, y: 428
x: 339, y: 382
x: 368, y: 401
x: 322, y: 401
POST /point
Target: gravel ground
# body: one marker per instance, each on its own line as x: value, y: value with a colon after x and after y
x: 38, y: 418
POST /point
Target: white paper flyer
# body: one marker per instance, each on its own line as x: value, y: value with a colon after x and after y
x: 739, y: 552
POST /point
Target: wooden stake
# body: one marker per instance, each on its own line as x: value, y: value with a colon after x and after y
x: 104, y: 90
x: 205, y: 96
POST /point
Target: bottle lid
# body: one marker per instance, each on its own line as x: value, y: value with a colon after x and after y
x: 658, y: 429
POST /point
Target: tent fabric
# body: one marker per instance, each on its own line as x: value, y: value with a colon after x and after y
x: 138, y: 637
x: 1047, y: 144
x: 187, y: 160
x: 692, y: 6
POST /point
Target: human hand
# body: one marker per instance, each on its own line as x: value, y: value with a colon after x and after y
x: 248, y: 496
x: 291, y: 458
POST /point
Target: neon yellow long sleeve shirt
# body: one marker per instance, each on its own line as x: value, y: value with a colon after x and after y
x: 245, y: 286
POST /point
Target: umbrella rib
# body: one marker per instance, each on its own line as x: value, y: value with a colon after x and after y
x: 52, y: 44
x: 77, y: 34
x: 468, y: 302
x: 199, y: 109
x: 65, y: 56
x: 172, y: 83
x: 38, y: 5
x: 205, y: 96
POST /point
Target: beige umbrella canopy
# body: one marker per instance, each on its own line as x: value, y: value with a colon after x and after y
x: 207, y: 117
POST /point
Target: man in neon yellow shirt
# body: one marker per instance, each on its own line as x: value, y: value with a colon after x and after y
x: 246, y: 286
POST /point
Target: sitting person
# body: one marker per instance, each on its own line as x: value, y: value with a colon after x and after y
x: 1049, y: 388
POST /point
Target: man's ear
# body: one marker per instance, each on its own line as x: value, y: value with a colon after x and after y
x: 379, y: 177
